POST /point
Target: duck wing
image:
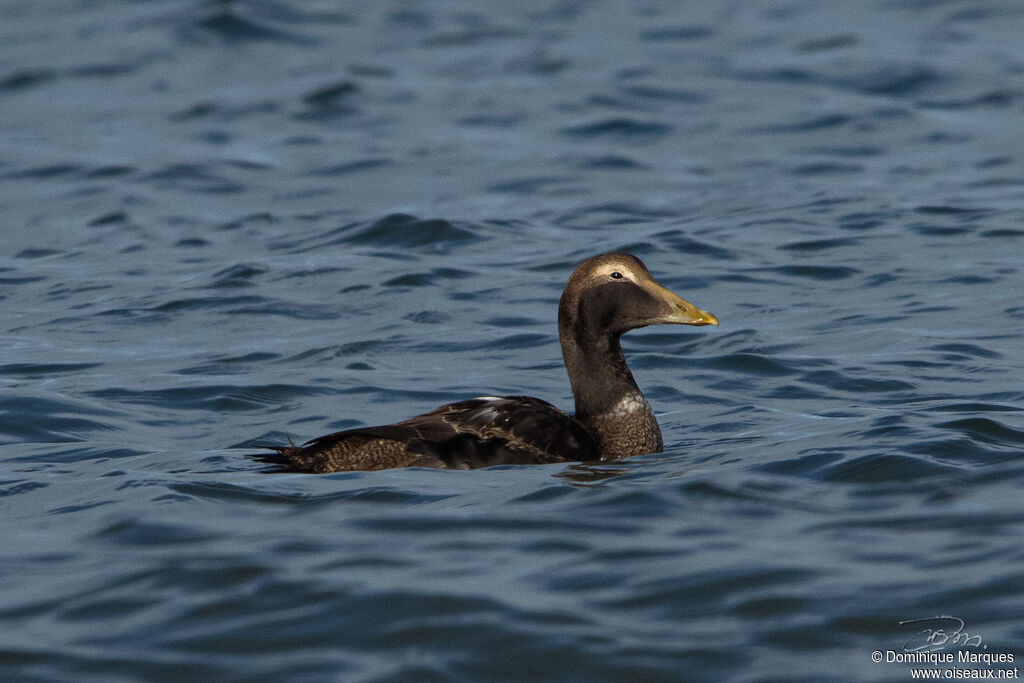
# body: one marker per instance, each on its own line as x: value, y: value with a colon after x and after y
x: 479, y: 432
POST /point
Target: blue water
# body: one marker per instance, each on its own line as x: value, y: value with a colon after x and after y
x: 228, y: 224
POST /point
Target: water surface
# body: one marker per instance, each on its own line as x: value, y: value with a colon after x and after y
x: 234, y: 223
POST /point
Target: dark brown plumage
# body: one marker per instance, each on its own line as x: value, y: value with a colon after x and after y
x: 605, y: 297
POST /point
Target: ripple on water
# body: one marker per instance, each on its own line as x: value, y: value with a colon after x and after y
x: 819, y: 245
x: 41, y: 370
x: 427, y: 279
x: 985, y: 430
x: 26, y: 79
x: 91, y: 453
x: 397, y: 231
x: 857, y: 381
x: 619, y: 128
x: 200, y: 178
x: 229, y: 364
x: 231, y: 24
x: 215, y: 398
x: 240, y: 275
x: 823, y: 273
x: 352, y: 167
x: 754, y: 363
x: 960, y: 351
x: 382, y: 495
x: 12, y: 487
x: 45, y: 419
x: 880, y: 468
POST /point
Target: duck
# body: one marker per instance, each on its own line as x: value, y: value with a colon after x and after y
x: 606, y: 296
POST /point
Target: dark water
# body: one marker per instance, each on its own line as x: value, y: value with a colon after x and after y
x: 233, y: 223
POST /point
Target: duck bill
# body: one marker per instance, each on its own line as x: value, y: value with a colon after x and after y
x: 681, y: 311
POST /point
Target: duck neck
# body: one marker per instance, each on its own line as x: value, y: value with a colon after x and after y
x: 608, y: 401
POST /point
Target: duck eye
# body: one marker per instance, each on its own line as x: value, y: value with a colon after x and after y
x: 616, y: 275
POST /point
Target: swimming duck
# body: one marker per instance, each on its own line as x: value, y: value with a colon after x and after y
x: 606, y: 296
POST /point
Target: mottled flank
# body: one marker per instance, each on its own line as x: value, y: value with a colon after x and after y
x: 606, y: 296
x: 474, y: 433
